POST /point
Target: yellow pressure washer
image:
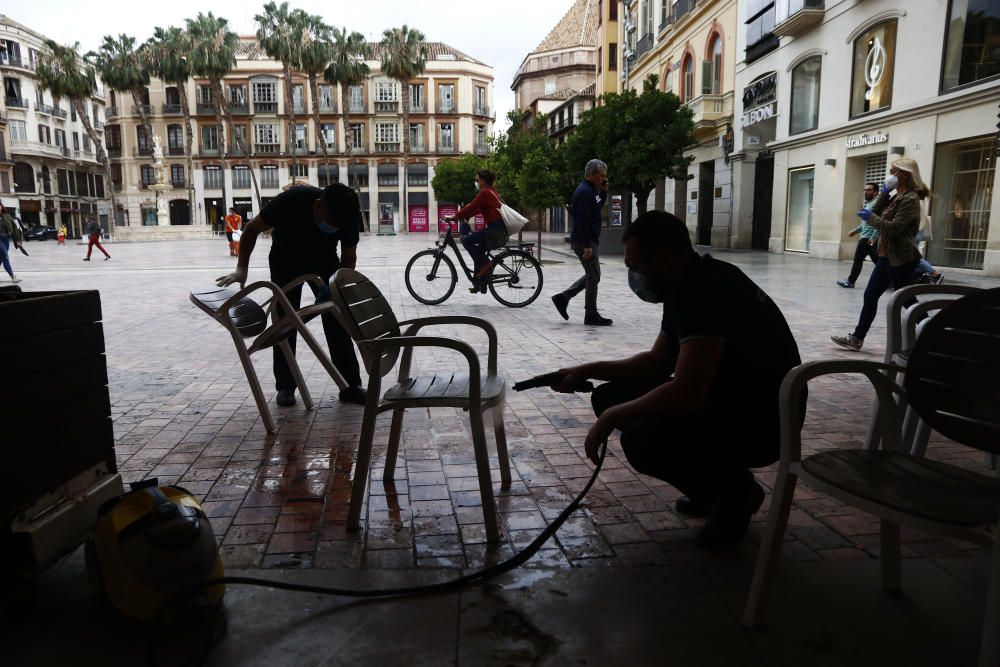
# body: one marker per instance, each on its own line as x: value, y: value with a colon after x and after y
x: 151, y: 545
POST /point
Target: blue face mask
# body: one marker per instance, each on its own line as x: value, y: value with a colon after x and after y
x: 327, y: 229
x: 642, y: 288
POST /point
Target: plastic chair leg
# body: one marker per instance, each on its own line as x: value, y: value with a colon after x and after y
x: 361, y: 465
x: 293, y: 367
x: 255, y: 388
x: 485, y: 481
x: 395, y: 431
x: 921, y: 435
x: 500, y: 433
x: 891, y: 558
x: 770, y: 548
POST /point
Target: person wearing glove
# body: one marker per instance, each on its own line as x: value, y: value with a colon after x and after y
x: 308, y: 223
x: 9, y: 231
x: 867, y: 244
x: 897, y: 217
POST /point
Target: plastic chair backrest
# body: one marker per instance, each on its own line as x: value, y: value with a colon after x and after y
x: 247, y: 315
x: 953, y: 373
x: 365, y: 313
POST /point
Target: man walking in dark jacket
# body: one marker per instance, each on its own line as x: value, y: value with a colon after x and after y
x: 588, y: 200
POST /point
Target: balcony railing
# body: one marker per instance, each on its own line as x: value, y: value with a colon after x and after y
x: 418, y: 148
x: 802, y: 15
x: 17, y: 103
x: 117, y: 185
x: 114, y: 151
x: 299, y: 107
x: 382, y: 106
x: 711, y: 111
x: 356, y: 107
x: 446, y: 149
x: 50, y: 110
x: 265, y: 107
x: 239, y: 109
x: 178, y: 184
x: 482, y: 110
x: 36, y: 147
x: 205, y: 108
x: 482, y: 149
x: 108, y: 111
x: 142, y: 151
x: 235, y: 150
x: 446, y: 108
x: 208, y: 152
x: 84, y: 155
x: 327, y: 108
x: 15, y: 61
x: 266, y: 149
x: 172, y: 109
x: 298, y: 150
x: 139, y: 109
x: 644, y: 45
x: 99, y: 126
x: 560, y: 125
x: 386, y: 147
x: 359, y: 149
x: 64, y: 151
x: 680, y: 9
x: 418, y: 108
x: 175, y: 150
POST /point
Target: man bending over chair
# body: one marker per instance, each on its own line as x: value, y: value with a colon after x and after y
x: 307, y: 224
x: 700, y: 408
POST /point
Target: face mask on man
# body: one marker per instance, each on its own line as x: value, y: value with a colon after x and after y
x: 643, y: 288
x: 327, y: 229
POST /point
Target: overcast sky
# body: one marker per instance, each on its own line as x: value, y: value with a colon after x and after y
x: 499, y: 35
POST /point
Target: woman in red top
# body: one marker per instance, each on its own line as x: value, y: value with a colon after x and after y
x: 487, y: 203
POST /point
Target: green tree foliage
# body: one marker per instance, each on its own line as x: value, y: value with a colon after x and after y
x: 122, y: 68
x: 642, y: 138
x: 454, y: 180
x: 527, y: 164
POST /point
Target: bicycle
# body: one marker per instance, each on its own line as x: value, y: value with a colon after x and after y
x: 515, y: 277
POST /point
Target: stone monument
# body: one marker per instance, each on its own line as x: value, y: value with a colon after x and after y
x: 161, y: 186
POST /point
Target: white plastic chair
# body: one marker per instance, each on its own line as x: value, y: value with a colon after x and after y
x: 367, y: 316
x: 953, y: 383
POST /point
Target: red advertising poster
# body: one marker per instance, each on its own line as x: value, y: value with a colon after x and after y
x: 444, y: 211
x: 418, y: 219
x: 480, y: 222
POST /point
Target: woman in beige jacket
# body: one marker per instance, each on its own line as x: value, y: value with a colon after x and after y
x: 897, y: 217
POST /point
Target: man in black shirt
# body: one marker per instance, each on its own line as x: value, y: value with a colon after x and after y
x: 306, y: 225
x: 701, y: 407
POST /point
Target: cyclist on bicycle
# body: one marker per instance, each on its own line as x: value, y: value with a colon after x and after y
x: 487, y: 203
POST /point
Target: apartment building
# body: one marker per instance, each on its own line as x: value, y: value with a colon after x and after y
x: 690, y: 45
x: 49, y: 171
x: 608, y: 53
x: 832, y: 91
x: 451, y: 112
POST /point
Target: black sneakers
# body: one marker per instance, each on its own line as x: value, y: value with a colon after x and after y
x: 561, y: 302
x: 355, y: 395
x: 596, y: 320
x: 691, y: 507
x: 286, y: 397
x: 728, y: 521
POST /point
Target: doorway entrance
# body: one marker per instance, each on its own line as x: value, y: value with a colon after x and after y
x: 763, y: 190
x: 706, y: 197
x: 180, y: 212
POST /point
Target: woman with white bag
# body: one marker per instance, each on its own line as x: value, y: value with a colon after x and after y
x: 486, y: 203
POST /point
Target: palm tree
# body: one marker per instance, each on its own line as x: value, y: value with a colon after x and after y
x: 66, y: 74
x: 213, y: 56
x: 121, y: 68
x: 279, y: 33
x: 347, y: 68
x: 165, y: 56
x: 404, y: 56
x: 314, y: 56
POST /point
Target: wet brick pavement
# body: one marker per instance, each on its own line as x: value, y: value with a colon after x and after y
x: 183, y: 412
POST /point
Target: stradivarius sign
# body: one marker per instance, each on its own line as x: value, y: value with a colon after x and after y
x: 867, y: 139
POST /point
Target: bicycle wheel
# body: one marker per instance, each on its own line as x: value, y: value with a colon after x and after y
x: 430, y: 277
x: 516, y: 279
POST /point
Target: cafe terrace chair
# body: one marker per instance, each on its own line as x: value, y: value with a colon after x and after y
x: 952, y: 382
x: 245, y: 319
x: 367, y: 316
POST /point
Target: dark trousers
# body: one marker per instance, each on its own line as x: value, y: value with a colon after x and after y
x: 337, y: 339
x: 5, y: 254
x: 706, y: 457
x: 95, y: 240
x: 883, y: 276
x: 863, y: 249
x: 477, y: 243
x: 586, y: 283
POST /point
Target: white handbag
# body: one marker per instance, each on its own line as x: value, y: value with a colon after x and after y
x: 512, y: 220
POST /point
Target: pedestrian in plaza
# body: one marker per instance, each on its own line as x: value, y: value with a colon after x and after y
x: 487, y: 204
x: 897, y: 217
x: 588, y: 200
x: 94, y: 232
x: 61, y: 234
x: 10, y: 231
x: 868, y: 243
x: 233, y: 222
x: 308, y: 223
x: 700, y: 408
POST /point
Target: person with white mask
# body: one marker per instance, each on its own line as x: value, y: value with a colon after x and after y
x: 487, y: 204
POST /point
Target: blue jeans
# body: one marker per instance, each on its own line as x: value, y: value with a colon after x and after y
x: 883, y: 276
x: 5, y: 254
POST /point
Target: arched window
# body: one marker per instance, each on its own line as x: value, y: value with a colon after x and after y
x: 874, y: 62
x: 805, y: 95
x: 24, y: 177
x: 668, y: 78
x: 687, y: 84
x: 711, y: 82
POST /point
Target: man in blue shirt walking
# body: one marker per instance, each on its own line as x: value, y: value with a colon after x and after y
x: 588, y: 200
